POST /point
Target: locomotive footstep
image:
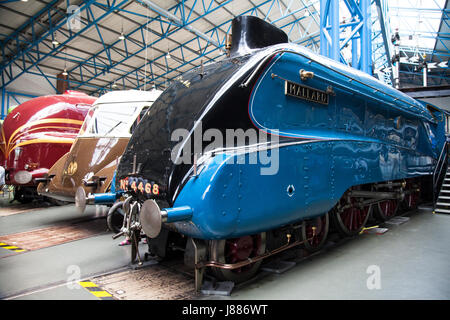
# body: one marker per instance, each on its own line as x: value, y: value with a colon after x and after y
x: 222, y: 288
x: 147, y: 263
x: 278, y: 267
x: 396, y: 221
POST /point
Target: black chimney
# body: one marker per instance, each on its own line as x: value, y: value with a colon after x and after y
x: 250, y: 32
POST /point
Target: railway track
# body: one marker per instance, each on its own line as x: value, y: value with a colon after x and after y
x: 166, y: 280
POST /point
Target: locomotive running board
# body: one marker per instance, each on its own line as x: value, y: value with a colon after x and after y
x: 200, y: 254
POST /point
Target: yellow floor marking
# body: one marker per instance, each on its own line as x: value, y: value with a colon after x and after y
x: 101, y: 294
x: 96, y: 290
x: 11, y: 247
x: 87, y: 284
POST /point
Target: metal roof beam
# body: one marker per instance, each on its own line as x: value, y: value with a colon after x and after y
x: 124, y: 53
x: 204, y: 52
x: 166, y: 32
x: 5, y: 67
x: 179, y: 22
x: 385, y: 30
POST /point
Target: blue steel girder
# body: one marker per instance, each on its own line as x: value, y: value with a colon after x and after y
x: 164, y: 33
x: 203, y: 52
x: 433, y: 79
x: 383, y: 19
x: 165, y: 78
x: 65, y: 33
x: 443, y: 56
x: 331, y: 42
x: 18, y: 36
x: 6, y: 68
x: 382, y: 48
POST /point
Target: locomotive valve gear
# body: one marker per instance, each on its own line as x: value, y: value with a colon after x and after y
x: 45, y: 179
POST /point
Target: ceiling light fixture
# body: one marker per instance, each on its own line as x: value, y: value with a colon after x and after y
x: 122, y: 36
x: 55, y: 41
x: 65, y: 63
x: 168, y: 52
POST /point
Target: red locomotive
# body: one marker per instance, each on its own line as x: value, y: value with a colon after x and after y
x: 36, y: 134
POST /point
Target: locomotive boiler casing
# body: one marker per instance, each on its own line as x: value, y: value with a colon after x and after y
x: 39, y: 132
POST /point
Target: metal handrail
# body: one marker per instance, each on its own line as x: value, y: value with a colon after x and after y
x: 439, y: 166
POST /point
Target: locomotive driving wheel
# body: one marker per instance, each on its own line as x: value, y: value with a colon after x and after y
x: 236, y: 250
x: 351, y: 216
x: 385, y: 210
x: 314, y: 232
x: 412, y: 199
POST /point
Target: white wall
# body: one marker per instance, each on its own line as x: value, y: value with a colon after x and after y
x: 28, y: 84
x: 441, y: 102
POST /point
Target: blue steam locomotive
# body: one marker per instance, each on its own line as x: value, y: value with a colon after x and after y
x: 263, y: 151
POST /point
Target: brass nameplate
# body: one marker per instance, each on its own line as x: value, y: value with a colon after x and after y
x: 303, y: 92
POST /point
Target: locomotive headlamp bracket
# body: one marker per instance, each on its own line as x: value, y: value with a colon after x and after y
x: 305, y: 75
x: 45, y: 179
x: 95, y: 182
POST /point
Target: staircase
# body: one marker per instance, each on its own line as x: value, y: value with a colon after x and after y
x: 443, y: 201
x: 442, y: 204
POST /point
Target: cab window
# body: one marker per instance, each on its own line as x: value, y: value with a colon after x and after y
x: 435, y: 113
x: 138, y: 119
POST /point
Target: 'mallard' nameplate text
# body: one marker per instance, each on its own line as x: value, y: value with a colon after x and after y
x: 297, y: 90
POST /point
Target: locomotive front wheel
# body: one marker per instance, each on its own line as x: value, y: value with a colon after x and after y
x: 236, y: 250
x: 135, y: 239
x: 316, y: 230
x: 387, y: 209
x: 24, y: 194
x: 351, y: 221
x: 115, y: 216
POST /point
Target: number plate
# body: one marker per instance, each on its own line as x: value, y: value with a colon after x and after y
x: 139, y: 186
